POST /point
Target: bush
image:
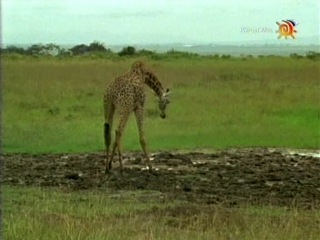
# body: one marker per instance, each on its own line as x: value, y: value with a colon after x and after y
x: 40, y: 49
x: 225, y: 56
x: 127, y: 51
x: 97, y: 47
x: 94, y: 47
x: 79, y: 49
x: 14, y: 49
x: 145, y: 52
x: 313, y: 55
x: 295, y: 56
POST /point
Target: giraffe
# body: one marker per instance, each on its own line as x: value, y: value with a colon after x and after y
x: 126, y: 95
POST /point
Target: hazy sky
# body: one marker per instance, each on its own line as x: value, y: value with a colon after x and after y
x: 151, y: 21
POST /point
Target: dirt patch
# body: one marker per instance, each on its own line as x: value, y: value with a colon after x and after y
x: 231, y: 177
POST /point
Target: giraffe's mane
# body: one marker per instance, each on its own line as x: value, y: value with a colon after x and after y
x: 149, y: 77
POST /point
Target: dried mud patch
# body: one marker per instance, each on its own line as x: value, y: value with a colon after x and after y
x: 229, y: 177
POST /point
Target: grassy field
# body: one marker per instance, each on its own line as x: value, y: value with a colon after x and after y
x: 34, y: 213
x: 53, y: 105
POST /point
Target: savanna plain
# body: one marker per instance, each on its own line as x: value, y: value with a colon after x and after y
x: 226, y: 155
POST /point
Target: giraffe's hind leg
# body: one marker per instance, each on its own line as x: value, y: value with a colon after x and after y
x: 117, y: 143
x: 107, y: 134
x: 109, y: 112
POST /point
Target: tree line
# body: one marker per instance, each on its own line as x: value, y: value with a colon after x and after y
x: 99, y: 50
x: 81, y: 49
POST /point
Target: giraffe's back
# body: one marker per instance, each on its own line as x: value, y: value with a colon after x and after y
x: 126, y: 93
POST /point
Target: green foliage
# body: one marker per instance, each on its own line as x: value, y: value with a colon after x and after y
x: 79, y: 49
x: 313, y: 56
x: 127, y: 51
x: 225, y: 56
x: 94, y: 47
x: 180, y: 54
x: 97, y: 50
x: 144, y: 52
x: 295, y: 55
x: 34, y: 50
x: 13, y: 50
x: 40, y: 49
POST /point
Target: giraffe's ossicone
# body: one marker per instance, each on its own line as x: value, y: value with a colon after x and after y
x: 124, y: 96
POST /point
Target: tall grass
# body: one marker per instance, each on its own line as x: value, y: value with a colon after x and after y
x: 34, y: 213
x: 53, y: 105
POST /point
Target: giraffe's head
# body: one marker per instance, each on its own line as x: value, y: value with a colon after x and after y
x: 163, y: 102
x: 152, y: 81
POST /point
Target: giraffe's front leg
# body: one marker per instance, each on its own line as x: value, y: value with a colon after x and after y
x: 139, y: 118
x: 145, y: 151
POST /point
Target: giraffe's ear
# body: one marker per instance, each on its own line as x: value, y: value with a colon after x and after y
x: 168, y: 91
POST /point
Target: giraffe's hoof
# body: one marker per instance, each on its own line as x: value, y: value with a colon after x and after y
x: 146, y: 168
x: 150, y: 169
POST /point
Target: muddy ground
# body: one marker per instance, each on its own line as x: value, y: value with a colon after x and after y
x: 231, y: 177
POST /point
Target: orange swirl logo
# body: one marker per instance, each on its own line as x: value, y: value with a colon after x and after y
x: 286, y: 28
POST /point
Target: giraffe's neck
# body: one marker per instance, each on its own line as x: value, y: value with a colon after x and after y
x: 152, y: 82
x: 148, y: 77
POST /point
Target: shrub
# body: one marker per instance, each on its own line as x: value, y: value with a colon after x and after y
x: 14, y: 49
x: 95, y: 47
x: 313, y: 55
x: 41, y: 49
x: 127, y: 51
x: 295, y: 56
x: 145, y: 52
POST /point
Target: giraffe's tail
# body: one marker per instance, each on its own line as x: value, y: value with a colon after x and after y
x: 107, y: 135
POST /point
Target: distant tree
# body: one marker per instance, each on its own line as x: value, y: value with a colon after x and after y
x: 47, y: 49
x: 145, y: 52
x: 227, y: 56
x: 129, y: 51
x: 64, y: 52
x: 79, y: 49
x: 97, y: 47
x: 34, y: 49
x: 295, y: 55
x: 92, y: 47
x: 313, y: 55
x: 52, y: 49
x: 13, y: 49
x: 180, y: 54
x: 172, y: 52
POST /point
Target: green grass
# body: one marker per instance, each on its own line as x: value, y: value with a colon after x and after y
x: 35, y: 213
x: 53, y: 105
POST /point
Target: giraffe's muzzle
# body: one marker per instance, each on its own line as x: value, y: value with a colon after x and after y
x: 163, y: 115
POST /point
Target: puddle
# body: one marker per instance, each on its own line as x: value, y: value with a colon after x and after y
x: 308, y: 154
